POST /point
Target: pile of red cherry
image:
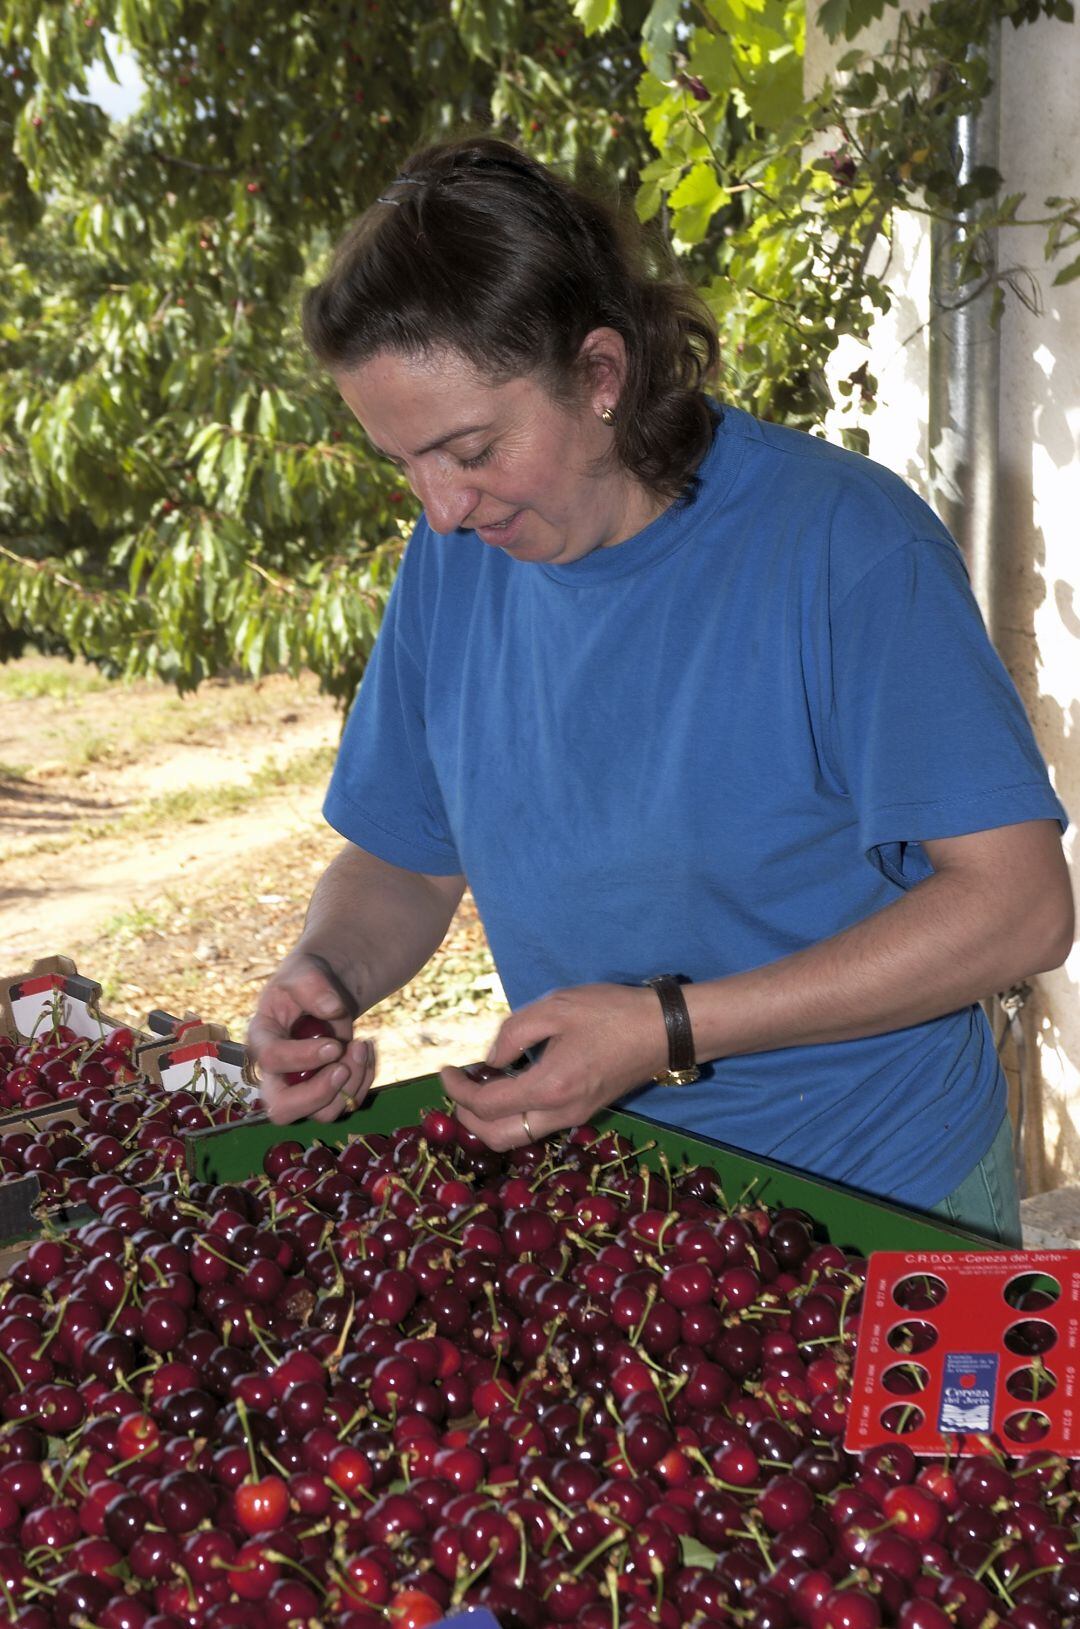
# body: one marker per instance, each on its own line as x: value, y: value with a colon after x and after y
x: 138, y: 1135
x: 57, y: 1063
x: 375, y: 1385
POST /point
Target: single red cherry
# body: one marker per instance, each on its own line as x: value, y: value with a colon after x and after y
x: 262, y: 1506
x: 306, y: 1028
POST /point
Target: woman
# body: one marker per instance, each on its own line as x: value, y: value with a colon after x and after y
x: 673, y: 691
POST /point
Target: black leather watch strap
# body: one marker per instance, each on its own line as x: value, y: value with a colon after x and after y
x: 681, y: 1069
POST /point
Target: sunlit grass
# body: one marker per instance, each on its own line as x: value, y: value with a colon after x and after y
x: 83, y: 728
x: 191, y: 804
x: 195, y: 805
x: 133, y: 924
x: 59, y: 681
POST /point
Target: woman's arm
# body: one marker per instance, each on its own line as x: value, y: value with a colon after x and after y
x: 370, y: 927
x: 997, y: 908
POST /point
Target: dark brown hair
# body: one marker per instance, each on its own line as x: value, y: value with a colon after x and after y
x: 477, y: 247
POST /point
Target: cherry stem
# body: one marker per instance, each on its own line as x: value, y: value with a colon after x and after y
x: 272, y: 1461
x: 339, y: 1493
x: 650, y: 1301
x: 6, y: 1361
x: 558, y: 1531
x: 335, y: 1356
x: 556, y: 1324
x: 204, y: 1244
x: 710, y: 1476
x: 245, y: 1426
x: 359, y: 1413
x: 989, y: 1571
x: 538, y: 1482
x: 612, y: 1579
x: 666, y: 1168
x: 590, y: 1556
x: 120, y: 1305
x: 290, y: 1561
x: 258, y: 1336
x: 658, y: 1574
x: 465, y: 1581
x: 753, y: 1530
x: 1036, y: 1572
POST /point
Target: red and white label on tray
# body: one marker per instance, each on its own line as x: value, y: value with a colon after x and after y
x: 40, y: 1001
x: 206, y: 1067
x: 961, y: 1351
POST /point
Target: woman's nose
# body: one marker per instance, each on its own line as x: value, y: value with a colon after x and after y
x: 448, y: 500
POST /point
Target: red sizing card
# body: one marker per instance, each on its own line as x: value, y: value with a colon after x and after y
x: 961, y: 1351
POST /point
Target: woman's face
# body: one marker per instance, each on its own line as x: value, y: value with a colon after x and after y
x: 504, y: 461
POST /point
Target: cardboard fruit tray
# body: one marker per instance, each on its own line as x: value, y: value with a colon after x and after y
x: 851, y: 1220
x: 171, y: 1053
x: 53, y: 988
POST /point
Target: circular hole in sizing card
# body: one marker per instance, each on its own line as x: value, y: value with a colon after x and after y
x: 1030, y: 1337
x: 1032, y: 1384
x: 1028, y: 1426
x: 1032, y: 1292
x: 919, y: 1292
x: 905, y: 1379
x: 902, y: 1418
x: 913, y: 1336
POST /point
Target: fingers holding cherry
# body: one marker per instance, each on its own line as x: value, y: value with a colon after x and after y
x: 350, y: 1080
x: 304, y: 992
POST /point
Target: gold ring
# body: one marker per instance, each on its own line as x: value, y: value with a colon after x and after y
x: 349, y: 1102
x: 526, y: 1126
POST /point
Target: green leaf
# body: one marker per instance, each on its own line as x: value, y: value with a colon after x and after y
x: 1068, y: 273
x: 596, y: 16
x: 847, y: 17
x: 699, y: 186
x: 832, y: 17
x: 711, y: 60
x: 773, y: 95
x: 658, y: 36
x: 856, y: 439
x: 696, y: 1554
x: 266, y: 422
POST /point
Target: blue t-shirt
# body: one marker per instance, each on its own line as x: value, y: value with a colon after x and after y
x: 700, y: 750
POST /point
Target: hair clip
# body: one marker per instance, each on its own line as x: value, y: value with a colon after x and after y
x: 403, y: 181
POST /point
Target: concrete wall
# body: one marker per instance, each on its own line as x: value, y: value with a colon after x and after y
x: 1037, y: 626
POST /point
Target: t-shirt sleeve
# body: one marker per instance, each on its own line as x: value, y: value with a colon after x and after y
x: 931, y: 735
x: 384, y: 794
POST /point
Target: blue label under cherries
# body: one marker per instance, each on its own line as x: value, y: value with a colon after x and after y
x: 968, y: 1387
x: 470, y: 1617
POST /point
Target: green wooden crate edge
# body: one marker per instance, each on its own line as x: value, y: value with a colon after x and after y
x: 853, y: 1219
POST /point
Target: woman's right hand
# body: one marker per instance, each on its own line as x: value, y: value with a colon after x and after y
x: 344, y: 1067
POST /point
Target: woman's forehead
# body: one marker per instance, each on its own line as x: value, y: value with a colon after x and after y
x: 428, y: 396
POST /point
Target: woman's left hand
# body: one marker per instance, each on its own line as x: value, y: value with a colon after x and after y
x: 602, y: 1040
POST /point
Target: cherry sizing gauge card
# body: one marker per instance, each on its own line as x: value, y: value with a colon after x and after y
x: 962, y: 1351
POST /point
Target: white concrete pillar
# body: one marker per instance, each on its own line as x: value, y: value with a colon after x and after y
x: 1039, y: 632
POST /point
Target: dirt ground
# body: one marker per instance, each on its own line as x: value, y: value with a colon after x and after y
x: 169, y: 844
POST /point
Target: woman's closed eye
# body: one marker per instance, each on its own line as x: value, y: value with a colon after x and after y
x: 480, y: 458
